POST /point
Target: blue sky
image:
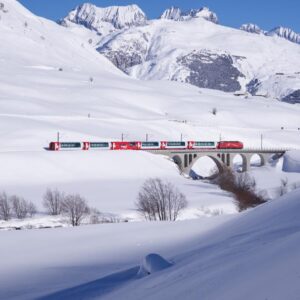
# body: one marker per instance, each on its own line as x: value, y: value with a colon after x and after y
x: 265, y: 13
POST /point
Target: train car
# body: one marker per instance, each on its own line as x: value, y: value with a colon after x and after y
x: 173, y: 145
x: 202, y: 145
x: 58, y: 146
x: 230, y: 145
x: 126, y: 145
x: 96, y: 146
x: 150, y: 146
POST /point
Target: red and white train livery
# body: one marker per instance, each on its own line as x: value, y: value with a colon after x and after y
x: 139, y: 145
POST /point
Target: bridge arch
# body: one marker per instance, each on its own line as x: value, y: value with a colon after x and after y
x: 245, y: 161
x: 255, y: 157
x: 178, y: 161
x: 218, y: 164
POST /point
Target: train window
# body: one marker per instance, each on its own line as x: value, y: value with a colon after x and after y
x: 70, y: 145
x: 205, y: 144
x: 99, y: 145
x: 150, y: 144
x: 132, y: 144
x: 175, y: 144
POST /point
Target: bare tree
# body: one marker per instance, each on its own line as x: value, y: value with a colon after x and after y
x: 31, y: 209
x: 5, y: 209
x: 52, y: 201
x: 19, y: 206
x: 76, y: 208
x: 283, y: 188
x: 158, y: 200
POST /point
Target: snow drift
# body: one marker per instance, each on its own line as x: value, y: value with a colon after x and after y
x: 254, y: 256
x: 291, y: 162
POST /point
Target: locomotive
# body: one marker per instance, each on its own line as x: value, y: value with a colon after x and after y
x: 139, y: 145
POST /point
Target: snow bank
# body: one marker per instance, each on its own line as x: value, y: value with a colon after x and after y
x: 254, y: 256
x: 291, y: 162
x: 153, y: 263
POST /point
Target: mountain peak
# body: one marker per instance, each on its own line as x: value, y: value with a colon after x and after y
x: 172, y: 13
x: 252, y: 28
x: 204, y: 13
x: 91, y: 16
x: 175, y: 13
x: 285, y: 33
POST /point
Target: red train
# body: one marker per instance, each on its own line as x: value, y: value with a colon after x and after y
x: 137, y: 145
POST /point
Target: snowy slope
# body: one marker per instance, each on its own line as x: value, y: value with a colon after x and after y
x: 37, y: 100
x: 52, y: 80
x: 254, y: 255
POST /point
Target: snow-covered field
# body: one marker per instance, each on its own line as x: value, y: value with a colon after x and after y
x: 253, y: 255
x: 52, y: 81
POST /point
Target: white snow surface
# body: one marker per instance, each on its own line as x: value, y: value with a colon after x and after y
x: 291, y: 162
x: 254, y: 255
x: 219, y: 255
x: 37, y: 100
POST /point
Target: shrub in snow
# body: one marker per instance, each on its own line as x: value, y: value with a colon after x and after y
x: 158, y: 200
x: 31, y: 209
x: 214, y: 111
x: 5, y: 208
x: 153, y: 263
x: 75, y: 208
x: 242, y: 186
x: 52, y: 201
x: 283, y: 189
x: 20, y: 206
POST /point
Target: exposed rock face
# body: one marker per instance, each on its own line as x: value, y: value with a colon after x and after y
x: 292, y: 98
x: 252, y: 28
x: 253, y: 86
x: 210, y: 70
x: 126, y: 54
x: 119, y: 17
x: 285, y: 33
x: 173, y: 13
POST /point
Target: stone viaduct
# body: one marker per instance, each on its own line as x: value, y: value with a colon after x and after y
x: 185, y: 159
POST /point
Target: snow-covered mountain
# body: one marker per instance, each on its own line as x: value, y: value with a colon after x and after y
x: 105, y: 20
x: 252, y: 28
x: 216, y: 57
x: 175, y: 13
x: 192, y: 47
x: 280, y: 31
x: 285, y: 33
